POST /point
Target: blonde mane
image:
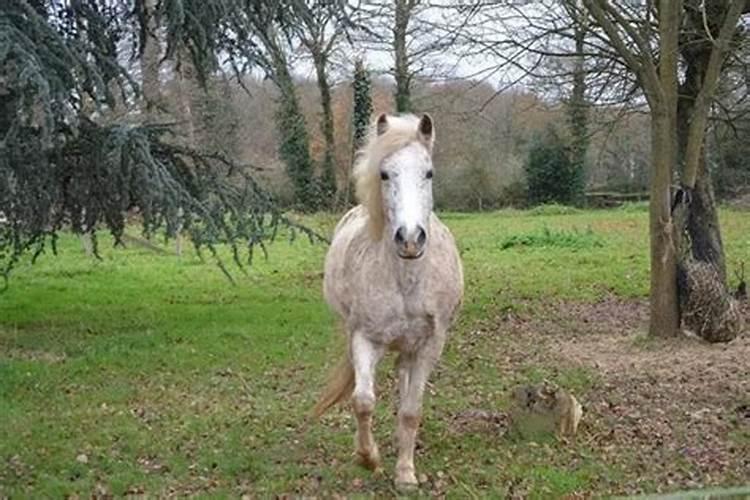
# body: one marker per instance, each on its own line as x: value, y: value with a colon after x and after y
x: 400, y: 132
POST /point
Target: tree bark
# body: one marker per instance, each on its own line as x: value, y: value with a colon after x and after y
x: 665, y: 314
x: 403, y: 78
x: 150, y: 64
x: 328, y: 177
x: 703, y: 55
x: 185, y: 90
x: 702, y: 221
x: 665, y: 317
x: 577, y: 106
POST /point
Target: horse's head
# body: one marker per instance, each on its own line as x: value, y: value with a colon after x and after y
x: 405, y: 177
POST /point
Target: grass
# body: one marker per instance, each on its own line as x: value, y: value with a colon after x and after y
x: 547, y: 237
x: 148, y: 373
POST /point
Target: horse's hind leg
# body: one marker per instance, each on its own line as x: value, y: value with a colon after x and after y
x: 365, y: 357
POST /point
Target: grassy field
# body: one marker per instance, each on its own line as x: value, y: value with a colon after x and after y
x: 148, y: 373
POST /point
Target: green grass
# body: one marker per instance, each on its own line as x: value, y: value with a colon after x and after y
x: 546, y: 237
x: 169, y: 379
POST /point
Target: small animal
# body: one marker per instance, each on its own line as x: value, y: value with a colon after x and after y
x: 546, y: 403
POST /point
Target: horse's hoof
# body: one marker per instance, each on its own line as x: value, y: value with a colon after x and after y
x: 370, y: 461
x: 406, y: 480
x: 406, y: 486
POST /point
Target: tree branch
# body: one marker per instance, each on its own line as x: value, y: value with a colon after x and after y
x: 699, y: 117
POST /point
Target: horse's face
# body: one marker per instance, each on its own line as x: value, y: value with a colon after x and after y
x: 406, y: 187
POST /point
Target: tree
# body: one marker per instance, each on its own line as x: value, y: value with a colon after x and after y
x: 416, y: 35
x: 361, y: 113
x: 577, y: 106
x: 630, y: 33
x: 319, y: 27
x: 266, y: 27
x: 639, y: 53
x: 61, y: 166
x: 404, y: 10
x: 361, y: 105
x: 552, y: 174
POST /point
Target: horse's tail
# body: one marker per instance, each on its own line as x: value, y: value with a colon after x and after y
x: 340, y: 386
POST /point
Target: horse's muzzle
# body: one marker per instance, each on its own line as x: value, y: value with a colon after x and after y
x: 410, y: 245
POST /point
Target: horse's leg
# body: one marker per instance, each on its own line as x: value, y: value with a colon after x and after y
x: 417, y: 368
x: 403, y: 365
x: 365, y: 357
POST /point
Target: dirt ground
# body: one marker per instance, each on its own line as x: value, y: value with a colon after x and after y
x: 672, y: 413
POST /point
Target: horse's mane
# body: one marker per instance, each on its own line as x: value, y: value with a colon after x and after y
x: 400, y: 131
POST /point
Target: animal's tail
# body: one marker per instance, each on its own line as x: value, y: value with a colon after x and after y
x: 340, y: 387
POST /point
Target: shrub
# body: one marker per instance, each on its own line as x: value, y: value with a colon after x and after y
x: 551, y: 175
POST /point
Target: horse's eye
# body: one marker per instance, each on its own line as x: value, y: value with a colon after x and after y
x: 383, y: 176
x: 429, y: 174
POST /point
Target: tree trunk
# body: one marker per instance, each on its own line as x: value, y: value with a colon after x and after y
x: 665, y: 318
x: 703, y: 226
x: 328, y: 174
x: 185, y: 90
x: 577, y: 108
x: 702, y: 220
x: 403, y: 79
x: 662, y: 97
x: 150, y: 64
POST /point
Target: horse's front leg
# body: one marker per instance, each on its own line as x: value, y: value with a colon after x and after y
x: 414, y: 370
x: 365, y: 357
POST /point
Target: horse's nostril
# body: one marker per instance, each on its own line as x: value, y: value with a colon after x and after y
x: 421, y: 236
x: 400, y: 239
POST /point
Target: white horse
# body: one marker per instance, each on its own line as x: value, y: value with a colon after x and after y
x: 394, y: 275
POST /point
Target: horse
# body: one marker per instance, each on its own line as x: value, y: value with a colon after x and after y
x: 394, y: 276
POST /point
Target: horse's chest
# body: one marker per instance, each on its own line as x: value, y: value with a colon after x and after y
x: 404, y: 324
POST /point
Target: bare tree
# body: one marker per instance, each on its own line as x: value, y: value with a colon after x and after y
x: 651, y: 53
x: 416, y: 34
x: 640, y: 51
x: 319, y: 26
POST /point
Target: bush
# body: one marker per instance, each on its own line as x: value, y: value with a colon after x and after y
x: 551, y: 175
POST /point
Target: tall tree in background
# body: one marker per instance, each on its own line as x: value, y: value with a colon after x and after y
x: 576, y: 105
x: 150, y: 60
x: 416, y: 35
x: 361, y: 113
x: 319, y: 27
x: 266, y: 25
x: 361, y: 105
x: 404, y: 10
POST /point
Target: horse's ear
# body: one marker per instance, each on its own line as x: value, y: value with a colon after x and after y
x: 426, y: 130
x: 382, y: 124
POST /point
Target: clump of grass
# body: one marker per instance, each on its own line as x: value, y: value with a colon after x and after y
x: 553, y: 209
x: 553, y: 238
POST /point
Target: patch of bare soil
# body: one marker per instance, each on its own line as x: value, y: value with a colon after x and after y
x: 31, y: 355
x: 672, y: 414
